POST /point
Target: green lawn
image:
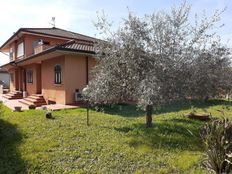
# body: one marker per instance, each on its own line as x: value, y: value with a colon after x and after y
x: 116, y: 141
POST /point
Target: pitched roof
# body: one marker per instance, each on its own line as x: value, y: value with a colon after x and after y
x: 75, y: 45
x: 58, y: 32
x: 70, y: 46
x: 55, y: 32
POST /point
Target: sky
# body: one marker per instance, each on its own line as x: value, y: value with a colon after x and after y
x: 79, y: 15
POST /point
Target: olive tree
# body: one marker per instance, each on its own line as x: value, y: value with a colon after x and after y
x: 156, y: 59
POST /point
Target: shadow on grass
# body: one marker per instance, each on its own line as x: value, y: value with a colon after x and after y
x: 127, y: 110
x: 10, y: 160
x: 187, y: 104
x: 172, y: 134
x: 124, y: 110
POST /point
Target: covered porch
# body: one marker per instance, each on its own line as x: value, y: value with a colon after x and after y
x: 26, y: 79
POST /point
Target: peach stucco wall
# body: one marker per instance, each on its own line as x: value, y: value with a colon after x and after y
x: 13, y: 82
x: 28, y: 40
x: 51, y: 91
x: 76, y: 74
x: 73, y: 77
x: 35, y: 86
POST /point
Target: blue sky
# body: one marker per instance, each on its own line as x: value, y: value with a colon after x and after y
x: 79, y: 15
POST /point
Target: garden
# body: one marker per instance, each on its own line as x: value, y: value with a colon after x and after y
x: 116, y: 141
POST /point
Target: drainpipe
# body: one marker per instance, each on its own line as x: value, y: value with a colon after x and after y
x: 87, y: 69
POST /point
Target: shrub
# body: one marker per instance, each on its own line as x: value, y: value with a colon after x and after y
x: 31, y: 106
x: 217, y: 136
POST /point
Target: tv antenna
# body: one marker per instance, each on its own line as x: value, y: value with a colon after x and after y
x: 53, y: 22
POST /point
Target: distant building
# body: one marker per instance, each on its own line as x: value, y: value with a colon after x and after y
x: 4, y: 78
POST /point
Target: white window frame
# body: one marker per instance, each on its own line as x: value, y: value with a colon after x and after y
x: 57, y: 73
x: 29, y: 76
x: 20, y: 50
x: 11, y: 53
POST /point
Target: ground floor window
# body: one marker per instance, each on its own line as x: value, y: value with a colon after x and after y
x: 29, y: 76
x: 57, y: 71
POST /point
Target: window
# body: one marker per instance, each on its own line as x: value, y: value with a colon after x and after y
x: 11, y: 53
x: 29, y: 76
x: 20, y: 50
x: 57, y: 70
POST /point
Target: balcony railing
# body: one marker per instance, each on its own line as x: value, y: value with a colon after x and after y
x: 41, y: 48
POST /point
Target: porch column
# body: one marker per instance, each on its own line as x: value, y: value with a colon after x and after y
x: 16, y: 79
x: 24, y: 79
x: 20, y: 80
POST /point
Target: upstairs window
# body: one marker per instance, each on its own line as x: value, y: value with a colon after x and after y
x: 20, y: 50
x: 11, y: 53
x: 29, y: 76
x: 57, y: 71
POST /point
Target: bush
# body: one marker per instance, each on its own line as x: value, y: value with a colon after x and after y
x: 217, y: 136
x: 31, y: 106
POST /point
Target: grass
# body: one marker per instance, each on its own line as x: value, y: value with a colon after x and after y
x: 115, y: 142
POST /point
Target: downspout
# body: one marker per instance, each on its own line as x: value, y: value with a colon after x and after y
x: 87, y: 69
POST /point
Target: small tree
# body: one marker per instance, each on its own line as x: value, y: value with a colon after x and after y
x: 217, y: 138
x: 155, y: 59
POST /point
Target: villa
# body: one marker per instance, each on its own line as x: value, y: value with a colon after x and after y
x: 48, y: 65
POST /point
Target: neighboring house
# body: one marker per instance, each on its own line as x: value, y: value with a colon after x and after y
x: 4, y: 78
x: 50, y: 62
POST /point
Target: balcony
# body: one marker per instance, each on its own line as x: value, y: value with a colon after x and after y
x: 41, y: 48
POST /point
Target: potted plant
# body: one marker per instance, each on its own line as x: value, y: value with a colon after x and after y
x: 18, y: 108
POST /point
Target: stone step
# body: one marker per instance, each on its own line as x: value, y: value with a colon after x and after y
x: 6, y: 96
x: 10, y: 97
x: 37, y: 95
x: 14, y: 93
x: 26, y: 102
x: 35, y: 99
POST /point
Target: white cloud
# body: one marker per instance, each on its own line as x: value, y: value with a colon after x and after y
x: 78, y: 15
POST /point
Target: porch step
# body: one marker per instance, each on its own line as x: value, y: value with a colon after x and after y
x: 36, y: 100
x: 23, y: 101
x: 13, y: 95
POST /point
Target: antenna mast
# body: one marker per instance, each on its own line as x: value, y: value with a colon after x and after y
x: 53, y: 22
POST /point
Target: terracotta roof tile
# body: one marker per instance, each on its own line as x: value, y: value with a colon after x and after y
x: 55, y: 32
x: 77, y: 46
x: 59, y: 32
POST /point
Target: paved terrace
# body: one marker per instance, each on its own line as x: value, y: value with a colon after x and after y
x: 12, y: 103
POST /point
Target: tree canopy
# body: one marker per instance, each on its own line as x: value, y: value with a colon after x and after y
x: 159, y: 58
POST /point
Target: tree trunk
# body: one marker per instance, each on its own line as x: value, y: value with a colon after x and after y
x: 149, y: 109
x: 87, y: 113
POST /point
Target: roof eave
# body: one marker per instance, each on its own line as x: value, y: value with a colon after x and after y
x: 33, y: 32
x: 15, y: 34
x: 54, y: 49
x: 10, y: 64
x: 76, y: 51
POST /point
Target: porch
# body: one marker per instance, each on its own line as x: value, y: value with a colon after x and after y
x: 12, y: 103
x: 26, y: 78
